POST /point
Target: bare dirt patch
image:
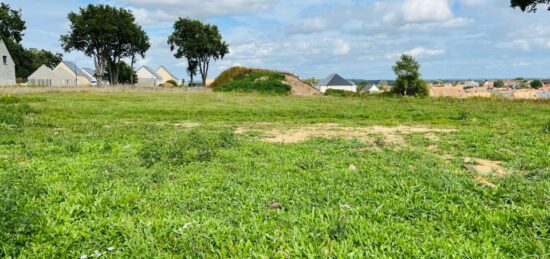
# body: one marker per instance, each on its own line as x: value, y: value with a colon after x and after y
x: 390, y: 135
x: 299, y: 87
x: 485, y: 167
x: 483, y: 181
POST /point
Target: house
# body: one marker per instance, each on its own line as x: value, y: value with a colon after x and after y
x: 371, y: 89
x: 90, y: 76
x: 147, y: 77
x: 166, y: 75
x: 7, y: 66
x: 45, y: 76
x: 336, y: 82
x: 72, y: 75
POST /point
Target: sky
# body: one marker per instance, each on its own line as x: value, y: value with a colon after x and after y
x: 358, y: 39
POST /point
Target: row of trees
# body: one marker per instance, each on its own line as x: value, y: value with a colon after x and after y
x: 109, y: 35
x: 12, y: 31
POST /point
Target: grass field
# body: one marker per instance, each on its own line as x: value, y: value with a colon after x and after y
x: 171, y: 175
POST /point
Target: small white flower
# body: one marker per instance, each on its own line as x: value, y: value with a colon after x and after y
x: 84, y: 257
x: 345, y: 206
x: 187, y: 225
x: 97, y: 254
x: 110, y: 249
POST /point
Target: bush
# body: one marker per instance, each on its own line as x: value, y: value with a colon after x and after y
x: 171, y: 83
x: 415, y: 88
x: 257, y: 81
x: 340, y: 93
x: 193, y: 146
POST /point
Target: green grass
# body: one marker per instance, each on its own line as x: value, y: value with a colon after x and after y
x: 81, y: 172
x: 246, y: 80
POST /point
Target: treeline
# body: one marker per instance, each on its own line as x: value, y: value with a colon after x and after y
x: 112, y: 38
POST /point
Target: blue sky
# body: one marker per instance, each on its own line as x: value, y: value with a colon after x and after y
x: 355, y: 38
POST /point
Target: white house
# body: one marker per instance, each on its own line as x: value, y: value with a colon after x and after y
x: 45, y: 76
x: 148, y: 77
x: 371, y: 89
x: 166, y: 75
x: 7, y: 66
x: 73, y: 75
x: 336, y: 82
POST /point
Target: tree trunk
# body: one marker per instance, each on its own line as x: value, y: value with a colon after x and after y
x: 132, y: 69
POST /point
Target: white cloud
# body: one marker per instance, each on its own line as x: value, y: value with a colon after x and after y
x: 420, y: 51
x: 426, y: 11
x: 315, y: 24
x: 341, y: 47
x: 151, y: 11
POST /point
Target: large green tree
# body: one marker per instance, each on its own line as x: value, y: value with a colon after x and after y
x: 12, y: 28
x: 409, y: 81
x: 126, y: 74
x: 197, y: 42
x: 131, y: 41
x: 107, y: 34
x: 11, y: 24
x: 529, y: 5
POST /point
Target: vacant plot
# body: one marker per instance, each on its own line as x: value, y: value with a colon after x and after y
x: 228, y: 175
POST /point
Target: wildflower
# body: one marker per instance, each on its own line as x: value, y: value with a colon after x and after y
x: 110, y: 249
x: 96, y: 254
x: 84, y: 257
x: 345, y: 207
x: 187, y: 225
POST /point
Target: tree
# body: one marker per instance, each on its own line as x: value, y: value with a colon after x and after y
x: 529, y: 5
x: 44, y: 57
x: 409, y: 80
x: 192, y: 66
x: 11, y: 24
x: 498, y: 84
x: 313, y: 81
x: 108, y: 35
x: 130, y: 41
x: 126, y: 75
x: 197, y: 42
x: 26, y: 61
x: 536, y: 84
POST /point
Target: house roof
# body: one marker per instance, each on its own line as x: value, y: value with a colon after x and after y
x: 371, y: 87
x: 151, y: 71
x: 73, y: 67
x: 168, y: 71
x: 89, y: 74
x: 334, y: 80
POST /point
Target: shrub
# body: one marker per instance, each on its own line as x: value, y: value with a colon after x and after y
x: 193, y: 146
x: 171, y: 83
x: 340, y: 93
x: 257, y: 81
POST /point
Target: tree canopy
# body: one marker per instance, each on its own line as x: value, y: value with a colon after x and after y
x: 529, y: 5
x: 107, y: 34
x: 536, y: 84
x: 12, y: 28
x: 199, y: 43
x: 11, y: 24
x: 409, y: 81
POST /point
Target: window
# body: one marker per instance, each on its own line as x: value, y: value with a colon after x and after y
x: 5, y: 59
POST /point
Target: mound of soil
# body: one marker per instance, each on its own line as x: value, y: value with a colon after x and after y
x: 299, y: 87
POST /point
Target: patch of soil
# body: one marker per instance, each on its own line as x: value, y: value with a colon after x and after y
x: 485, y: 167
x: 391, y: 135
x: 483, y: 181
x: 299, y: 87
